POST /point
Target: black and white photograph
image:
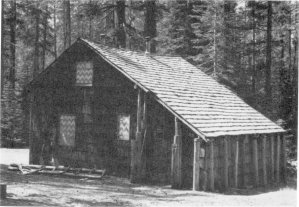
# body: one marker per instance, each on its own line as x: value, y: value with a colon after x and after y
x: 149, y: 103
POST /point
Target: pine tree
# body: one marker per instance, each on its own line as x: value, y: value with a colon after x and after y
x: 66, y: 23
x: 13, y: 24
x: 268, y: 87
x: 120, y: 23
x: 150, y: 26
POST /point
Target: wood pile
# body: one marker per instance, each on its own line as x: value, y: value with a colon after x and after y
x: 58, y: 170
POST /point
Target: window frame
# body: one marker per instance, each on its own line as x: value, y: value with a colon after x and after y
x: 76, y: 71
x: 60, y: 143
x: 118, y: 126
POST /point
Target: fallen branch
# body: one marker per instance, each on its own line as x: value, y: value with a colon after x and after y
x: 26, y: 171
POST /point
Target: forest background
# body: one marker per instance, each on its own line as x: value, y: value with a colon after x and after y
x: 249, y: 46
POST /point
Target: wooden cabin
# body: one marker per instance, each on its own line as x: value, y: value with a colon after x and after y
x: 151, y: 118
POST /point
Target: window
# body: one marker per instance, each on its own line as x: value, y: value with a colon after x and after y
x: 84, y: 73
x: 67, y: 130
x: 123, y: 123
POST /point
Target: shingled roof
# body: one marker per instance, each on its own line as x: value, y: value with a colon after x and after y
x: 206, y: 106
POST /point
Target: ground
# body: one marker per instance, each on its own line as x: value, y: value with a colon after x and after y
x: 113, y: 191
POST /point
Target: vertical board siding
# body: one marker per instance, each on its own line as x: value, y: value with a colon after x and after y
x: 230, y: 161
x: 264, y: 161
x: 268, y: 157
x: 212, y: 170
x: 236, y: 163
x: 284, y: 157
x: 260, y: 158
x: 225, y: 162
x: 255, y: 161
x: 278, y: 157
x: 248, y: 168
x: 196, y: 164
x: 272, y: 157
x: 252, y: 166
x: 205, y: 167
x: 244, y: 183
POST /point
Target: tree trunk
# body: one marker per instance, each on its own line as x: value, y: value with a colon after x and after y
x: 109, y: 20
x: 13, y: 22
x: 55, y: 30
x: 120, y: 30
x: 2, y: 47
x: 90, y: 22
x: 214, y: 42
x: 253, y: 83
x: 90, y: 28
x: 45, y: 26
x: 36, y: 44
x: 290, y: 45
x: 150, y: 25
x: 228, y: 10
x: 67, y: 23
x: 283, y: 83
x: 295, y: 77
x: 268, y: 88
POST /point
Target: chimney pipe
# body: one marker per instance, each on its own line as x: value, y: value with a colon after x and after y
x: 103, y: 38
x: 147, y: 45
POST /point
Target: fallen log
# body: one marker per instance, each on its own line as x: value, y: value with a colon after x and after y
x: 60, y: 170
x: 60, y: 167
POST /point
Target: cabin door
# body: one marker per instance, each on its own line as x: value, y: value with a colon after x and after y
x: 159, y: 151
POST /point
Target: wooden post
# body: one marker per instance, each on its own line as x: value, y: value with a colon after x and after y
x: 139, y: 112
x: 30, y: 127
x: 255, y: 162
x: 284, y: 158
x: 278, y: 159
x: 264, y: 150
x: 176, y: 161
x: 144, y: 115
x: 243, y: 161
x: 196, y: 165
x: 225, y: 157
x: 136, y: 144
x: 205, y: 171
x: 212, y: 176
x: 236, y: 162
x: 272, y: 157
x: 143, y: 139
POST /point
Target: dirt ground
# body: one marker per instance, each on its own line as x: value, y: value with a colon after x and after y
x: 41, y: 190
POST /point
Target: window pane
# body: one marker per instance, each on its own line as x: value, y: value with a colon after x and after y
x: 67, y: 130
x: 84, y: 72
x: 124, y: 127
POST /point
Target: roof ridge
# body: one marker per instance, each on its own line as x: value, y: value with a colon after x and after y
x: 127, y: 50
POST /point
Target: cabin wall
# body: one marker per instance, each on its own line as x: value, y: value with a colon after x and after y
x: 56, y: 95
x: 270, y: 166
x: 96, y: 143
